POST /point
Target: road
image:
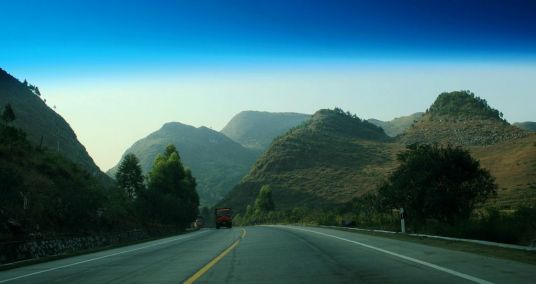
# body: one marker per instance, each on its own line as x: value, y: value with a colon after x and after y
x: 275, y: 254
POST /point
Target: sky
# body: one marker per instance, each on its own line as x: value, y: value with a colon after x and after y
x: 118, y: 70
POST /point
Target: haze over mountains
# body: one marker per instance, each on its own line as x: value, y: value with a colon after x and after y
x: 217, y: 161
x: 43, y: 125
x: 257, y: 129
x: 397, y: 125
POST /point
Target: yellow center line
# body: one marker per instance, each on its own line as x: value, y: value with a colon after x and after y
x: 213, y: 262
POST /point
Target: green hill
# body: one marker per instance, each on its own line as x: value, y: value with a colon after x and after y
x: 256, y: 129
x: 461, y: 118
x: 397, y: 125
x: 527, y: 125
x: 42, y: 125
x: 334, y: 156
x: 217, y: 162
x: 328, y: 160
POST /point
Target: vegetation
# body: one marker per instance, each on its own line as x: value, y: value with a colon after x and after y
x: 326, y: 161
x: 463, y: 103
x: 441, y: 183
x: 43, y: 126
x: 218, y: 162
x: 129, y: 176
x: 171, y: 197
x: 44, y: 194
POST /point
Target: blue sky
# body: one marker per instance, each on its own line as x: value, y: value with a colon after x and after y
x: 264, y: 55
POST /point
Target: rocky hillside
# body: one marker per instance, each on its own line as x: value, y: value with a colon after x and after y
x: 217, y: 162
x: 461, y: 118
x: 330, y: 159
x: 397, y: 125
x: 256, y: 129
x: 43, y: 125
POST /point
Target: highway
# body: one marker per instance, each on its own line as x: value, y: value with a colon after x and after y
x: 275, y: 254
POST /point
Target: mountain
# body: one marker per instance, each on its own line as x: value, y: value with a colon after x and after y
x: 328, y: 160
x: 461, y: 118
x: 42, y: 125
x: 397, y: 125
x: 217, y: 162
x: 527, y: 125
x: 257, y: 130
x: 335, y: 156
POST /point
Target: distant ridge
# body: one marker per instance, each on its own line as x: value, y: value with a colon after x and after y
x: 257, y: 129
x: 397, y: 125
x: 527, y: 125
x: 217, y: 162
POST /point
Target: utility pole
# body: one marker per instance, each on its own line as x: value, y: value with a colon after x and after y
x: 402, y: 221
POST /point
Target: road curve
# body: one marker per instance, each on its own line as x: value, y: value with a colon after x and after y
x: 281, y: 254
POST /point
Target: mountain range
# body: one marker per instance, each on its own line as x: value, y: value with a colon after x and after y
x: 336, y: 156
x: 217, y: 161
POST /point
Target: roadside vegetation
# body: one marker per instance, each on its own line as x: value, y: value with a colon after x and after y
x: 45, y: 195
x: 442, y: 190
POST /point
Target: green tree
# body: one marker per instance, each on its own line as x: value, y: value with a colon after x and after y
x: 129, y: 176
x: 264, y: 202
x: 171, y: 196
x: 8, y: 115
x: 433, y: 182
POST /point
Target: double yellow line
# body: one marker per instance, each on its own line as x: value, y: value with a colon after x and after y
x: 213, y: 262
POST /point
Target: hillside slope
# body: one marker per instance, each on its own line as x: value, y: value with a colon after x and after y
x: 217, y: 162
x: 256, y: 129
x: 460, y: 118
x: 44, y: 126
x: 397, y: 125
x: 330, y: 159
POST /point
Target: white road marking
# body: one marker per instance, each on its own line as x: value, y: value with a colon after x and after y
x: 100, y: 257
x: 431, y: 265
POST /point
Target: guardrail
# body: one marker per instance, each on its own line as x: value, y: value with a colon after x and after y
x: 532, y: 247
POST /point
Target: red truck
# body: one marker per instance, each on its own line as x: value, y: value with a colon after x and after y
x: 223, y: 217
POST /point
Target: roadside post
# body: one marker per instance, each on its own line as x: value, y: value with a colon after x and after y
x: 402, y: 221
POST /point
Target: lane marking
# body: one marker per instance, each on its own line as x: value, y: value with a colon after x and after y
x: 431, y: 265
x: 213, y: 262
x: 98, y: 258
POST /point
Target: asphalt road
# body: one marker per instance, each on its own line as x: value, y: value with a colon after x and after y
x: 275, y: 254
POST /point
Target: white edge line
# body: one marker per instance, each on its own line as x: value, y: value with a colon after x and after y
x: 437, y: 267
x: 97, y: 258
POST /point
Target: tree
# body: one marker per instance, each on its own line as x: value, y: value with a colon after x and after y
x: 8, y: 115
x: 433, y: 182
x: 129, y: 176
x: 171, y: 197
x: 264, y: 202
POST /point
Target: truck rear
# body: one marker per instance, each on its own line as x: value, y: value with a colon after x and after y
x: 224, y: 217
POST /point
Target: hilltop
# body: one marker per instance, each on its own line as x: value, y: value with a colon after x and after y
x: 43, y: 126
x: 397, y: 125
x: 328, y: 160
x: 217, y: 162
x: 257, y: 129
x: 461, y: 118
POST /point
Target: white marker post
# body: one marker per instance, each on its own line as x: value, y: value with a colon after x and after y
x: 402, y: 221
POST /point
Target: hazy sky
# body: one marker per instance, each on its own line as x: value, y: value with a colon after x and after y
x: 118, y: 70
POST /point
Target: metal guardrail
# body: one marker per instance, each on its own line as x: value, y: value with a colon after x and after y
x: 532, y: 247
